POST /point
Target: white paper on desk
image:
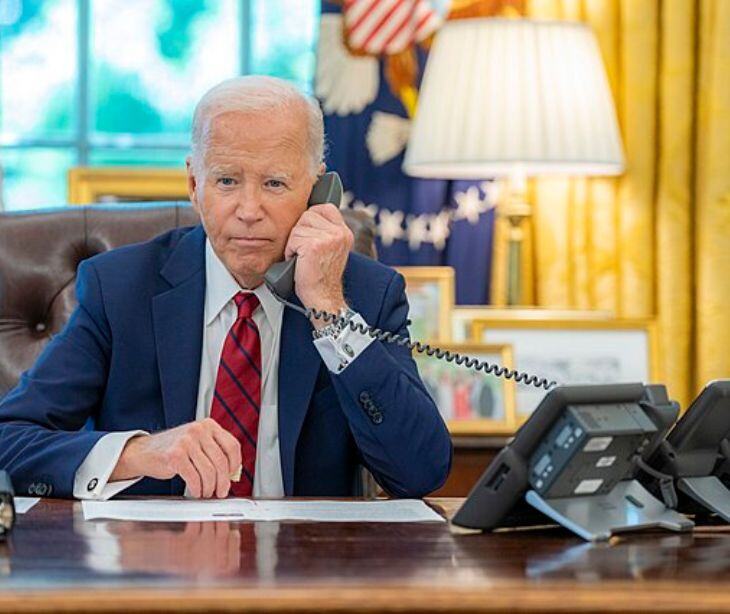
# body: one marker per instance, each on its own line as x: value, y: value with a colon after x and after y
x: 405, y: 510
x: 23, y: 504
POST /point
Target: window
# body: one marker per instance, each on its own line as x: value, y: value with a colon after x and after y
x: 113, y: 82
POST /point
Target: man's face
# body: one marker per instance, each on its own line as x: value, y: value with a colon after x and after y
x: 253, y: 186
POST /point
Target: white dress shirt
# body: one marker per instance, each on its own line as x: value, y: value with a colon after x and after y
x: 92, y: 477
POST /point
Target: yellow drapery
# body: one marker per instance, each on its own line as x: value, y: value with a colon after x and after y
x: 654, y: 242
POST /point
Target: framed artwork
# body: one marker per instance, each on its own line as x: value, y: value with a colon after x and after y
x: 464, y: 316
x: 430, y: 292
x: 471, y: 402
x: 125, y: 184
x: 572, y: 351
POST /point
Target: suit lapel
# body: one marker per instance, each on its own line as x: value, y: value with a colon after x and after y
x: 178, y: 321
x: 299, y: 363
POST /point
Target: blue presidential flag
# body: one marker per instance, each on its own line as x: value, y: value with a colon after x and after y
x: 370, y: 59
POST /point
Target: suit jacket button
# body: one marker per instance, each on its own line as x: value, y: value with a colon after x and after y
x: 377, y: 418
x: 93, y: 483
x: 364, y: 397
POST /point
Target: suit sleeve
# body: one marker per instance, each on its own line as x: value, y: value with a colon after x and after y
x: 400, y: 434
x: 42, y: 436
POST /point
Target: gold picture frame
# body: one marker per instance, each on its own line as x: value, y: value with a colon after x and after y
x: 464, y: 316
x: 430, y: 292
x: 120, y: 184
x: 472, y: 402
x: 573, y: 350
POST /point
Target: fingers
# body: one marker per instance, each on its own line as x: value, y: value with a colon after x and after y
x: 322, y: 216
x: 206, y: 470
x: 186, y: 470
x: 219, y: 461
x: 335, y: 237
x: 328, y: 211
x: 230, y: 447
x: 205, y: 455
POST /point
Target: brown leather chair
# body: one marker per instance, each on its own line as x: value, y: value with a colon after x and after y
x: 40, y: 251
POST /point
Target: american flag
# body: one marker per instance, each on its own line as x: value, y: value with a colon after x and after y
x: 387, y: 26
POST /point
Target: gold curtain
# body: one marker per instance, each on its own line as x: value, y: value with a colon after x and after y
x: 654, y: 242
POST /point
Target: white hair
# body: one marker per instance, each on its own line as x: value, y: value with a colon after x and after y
x: 257, y: 93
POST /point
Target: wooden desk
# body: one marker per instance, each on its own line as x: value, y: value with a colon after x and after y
x: 57, y: 562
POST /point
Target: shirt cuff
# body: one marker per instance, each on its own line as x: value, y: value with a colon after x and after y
x: 92, y: 477
x: 338, y: 352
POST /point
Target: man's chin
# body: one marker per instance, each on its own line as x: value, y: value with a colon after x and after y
x: 248, y: 276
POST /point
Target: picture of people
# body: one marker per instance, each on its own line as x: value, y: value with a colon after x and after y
x: 430, y: 292
x: 471, y: 401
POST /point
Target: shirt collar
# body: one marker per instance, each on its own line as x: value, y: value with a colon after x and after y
x: 221, y: 287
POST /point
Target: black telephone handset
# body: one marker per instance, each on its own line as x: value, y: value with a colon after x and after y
x: 279, y: 278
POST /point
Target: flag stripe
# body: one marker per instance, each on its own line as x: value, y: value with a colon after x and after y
x: 397, y: 24
x: 382, y: 23
x: 365, y: 25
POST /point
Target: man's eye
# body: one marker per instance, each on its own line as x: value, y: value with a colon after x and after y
x: 275, y: 183
x: 226, y: 181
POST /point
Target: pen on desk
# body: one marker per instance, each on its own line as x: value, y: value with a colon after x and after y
x: 228, y: 515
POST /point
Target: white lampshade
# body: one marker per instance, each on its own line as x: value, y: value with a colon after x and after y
x: 501, y: 96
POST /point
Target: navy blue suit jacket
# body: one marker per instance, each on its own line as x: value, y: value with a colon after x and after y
x: 129, y: 358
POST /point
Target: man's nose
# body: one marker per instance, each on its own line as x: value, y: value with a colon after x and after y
x: 248, y: 207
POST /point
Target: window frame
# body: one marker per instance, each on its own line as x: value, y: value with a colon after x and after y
x: 84, y: 141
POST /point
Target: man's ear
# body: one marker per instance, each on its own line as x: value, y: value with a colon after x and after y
x: 192, y: 184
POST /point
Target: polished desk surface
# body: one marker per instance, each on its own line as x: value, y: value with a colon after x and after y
x: 56, y: 561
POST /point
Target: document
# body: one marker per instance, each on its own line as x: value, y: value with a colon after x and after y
x: 166, y: 510
x: 23, y: 504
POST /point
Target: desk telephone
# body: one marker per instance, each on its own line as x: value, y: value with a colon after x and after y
x: 280, y: 280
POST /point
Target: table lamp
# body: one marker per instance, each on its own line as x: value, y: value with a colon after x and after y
x: 514, y: 98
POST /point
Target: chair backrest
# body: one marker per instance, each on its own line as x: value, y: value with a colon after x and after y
x: 40, y: 251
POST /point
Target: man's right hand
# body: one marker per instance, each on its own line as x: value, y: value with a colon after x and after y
x: 202, y: 453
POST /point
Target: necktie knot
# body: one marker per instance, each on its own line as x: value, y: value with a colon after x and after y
x: 246, y: 303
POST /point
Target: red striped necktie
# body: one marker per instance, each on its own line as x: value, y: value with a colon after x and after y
x: 237, y: 396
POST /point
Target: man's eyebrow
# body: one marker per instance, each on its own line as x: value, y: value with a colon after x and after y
x: 280, y: 174
x: 218, y: 169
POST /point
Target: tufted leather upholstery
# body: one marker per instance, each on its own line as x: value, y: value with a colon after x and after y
x: 40, y: 251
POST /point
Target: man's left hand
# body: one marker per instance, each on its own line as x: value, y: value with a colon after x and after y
x: 321, y: 241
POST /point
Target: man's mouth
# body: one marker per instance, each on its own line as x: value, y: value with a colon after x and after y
x: 250, y: 241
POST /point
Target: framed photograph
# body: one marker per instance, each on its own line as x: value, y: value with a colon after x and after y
x: 471, y: 402
x: 125, y: 184
x: 572, y: 351
x: 430, y: 291
x: 463, y: 317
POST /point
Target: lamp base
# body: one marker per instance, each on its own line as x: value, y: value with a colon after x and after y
x: 515, y: 209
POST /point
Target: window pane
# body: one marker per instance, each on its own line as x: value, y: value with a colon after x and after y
x: 37, y: 68
x: 283, y: 39
x: 35, y: 178
x: 153, y: 59
x: 174, y: 158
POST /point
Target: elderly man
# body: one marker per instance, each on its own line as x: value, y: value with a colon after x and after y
x: 195, y: 378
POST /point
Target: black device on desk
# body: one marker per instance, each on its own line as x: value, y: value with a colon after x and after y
x: 7, y: 506
x: 575, y: 461
x: 696, y: 454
